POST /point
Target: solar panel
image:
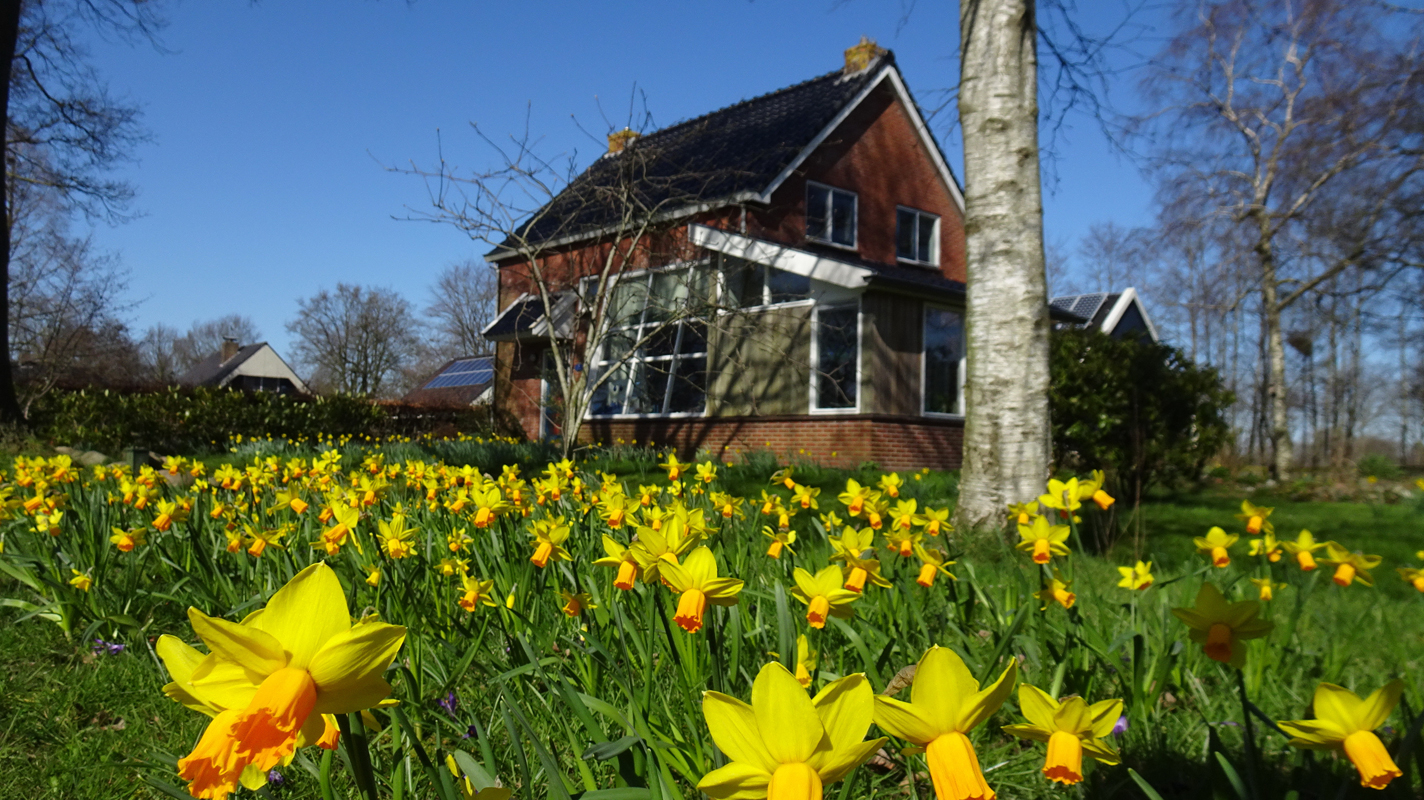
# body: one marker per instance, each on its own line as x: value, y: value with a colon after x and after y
x: 465, y: 372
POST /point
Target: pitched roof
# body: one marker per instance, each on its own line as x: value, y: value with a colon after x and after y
x: 212, y: 370
x: 1117, y: 313
x: 1088, y: 307
x: 737, y: 149
x: 461, y: 382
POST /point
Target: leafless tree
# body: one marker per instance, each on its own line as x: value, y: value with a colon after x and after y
x: 167, y: 354
x: 1275, y: 116
x: 356, y: 339
x: 462, y: 304
x: 63, y: 132
x: 1114, y: 257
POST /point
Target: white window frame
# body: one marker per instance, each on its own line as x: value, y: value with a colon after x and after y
x: 830, y: 205
x: 816, y: 356
x: 725, y: 300
x: 934, y: 244
x: 925, y: 309
x: 632, y: 362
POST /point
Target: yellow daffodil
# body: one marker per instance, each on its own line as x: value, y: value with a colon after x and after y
x: 450, y: 567
x: 280, y: 670
x: 336, y: 536
x: 902, y: 541
x: 851, y: 542
x: 1345, y: 723
x: 1044, y: 541
x: 856, y: 496
x: 1220, y: 626
x: 1415, y: 577
x: 932, y: 562
x: 1092, y: 489
x: 727, y: 505
x: 783, y: 477
x: 696, y: 580
x: 1303, y: 548
x: 805, y: 497
x: 477, y: 593
x: 81, y: 581
x: 1216, y: 544
x: 396, y: 538
x: 549, y: 537
x: 458, y: 541
x: 859, y: 569
x: 890, y: 484
x: 779, y: 539
x: 1255, y: 518
x: 1070, y: 728
x: 805, y: 661
x: 824, y: 595
x: 1267, y: 588
x: 621, y: 558
x: 489, y: 504
x: 707, y: 472
x: 1267, y: 546
x: 935, y: 521
x: 1137, y: 577
x: 1350, y: 567
x: 574, y: 604
x: 290, y: 499
x: 127, y: 540
x: 787, y: 745
x: 945, y: 704
x: 1056, y: 591
x: 1023, y: 513
x: 673, y: 467
x: 1062, y: 496
x: 373, y: 576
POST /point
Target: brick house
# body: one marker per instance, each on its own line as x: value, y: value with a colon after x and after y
x: 831, y: 239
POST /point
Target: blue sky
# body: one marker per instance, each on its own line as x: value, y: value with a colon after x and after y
x: 273, y: 123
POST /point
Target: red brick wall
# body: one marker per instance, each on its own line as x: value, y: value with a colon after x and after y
x: 893, y: 442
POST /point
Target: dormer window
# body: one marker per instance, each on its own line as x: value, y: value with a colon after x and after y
x: 916, y: 236
x: 830, y: 215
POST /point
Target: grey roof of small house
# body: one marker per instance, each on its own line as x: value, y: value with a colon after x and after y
x: 740, y: 148
x: 1090, y: 309
x: 213, y: 370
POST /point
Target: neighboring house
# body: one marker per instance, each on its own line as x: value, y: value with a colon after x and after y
x: 462, y: 382
x: 833, y: 248
x: 250, y: 368
x: 1114, y: 313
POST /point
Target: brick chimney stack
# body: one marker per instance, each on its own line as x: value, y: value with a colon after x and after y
x: 229, y: 348
x: 861, y: 56
x: 618, y: 140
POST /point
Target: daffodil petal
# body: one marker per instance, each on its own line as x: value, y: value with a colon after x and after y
x: 1101, y: 751
x: 305, y: 613
x: 841, y: 761
x: 1314, y: 734
x: 1338, y: 705
x: 179, y: 657
x: 701, y: 565
x: 904, y: 720
x: 942, y: 684
x: 734, y: 728
x: 1072, y: 716
x: 785, y: 717
x: 1034, y: 732
x: 1105, y: 715
x: 223, y: 684
x: 347, y: 670
x: 1037, y: 706
x: 675, y: 576
x: 981, y: 705
x: 846, y: 708
x: 254, y: 649
x: 736, y: 781
x: 1375, y: 709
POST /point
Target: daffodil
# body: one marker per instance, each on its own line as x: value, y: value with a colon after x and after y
x: 1023, y: 513
x: 696, y: 580
x: 935, y: 521
x: 727, y: 505
x: 783, y: 477
x: 805, y: 661
x: 1062, y: 496
x: 622, y: 559
x: 673, y: 467
x: 1267, y: 546
x: 856, y: 496
x: 1057, y: 591
x: 1092, y: 489
x: 1217, y: 544
x: 890, y: 484
x: 1303, y: 548
x: 946, y: 703
x: 450, y: 567
x: 1220, y: 626
x: 1415, y: 577
x: 1137, y: 577
x: 1071, y: 728
x: 1350, y: 567
x: 779, y: 539
x: 549, y: 537
x: 574, y: 604
x: 805, y: 497
x: 280, y: 670
x: 1044, y: 541
x: 932, y: 562
x: 707, y: 472
x: 373, y: 576
x: 457, y: 541
x: 824, y: 595
x: 1255, y: 517
x: 1267, y: 588
x: 1345, y: 723
x: 127, y: 540
x: 861, y: 569
x: 787, y: 745
x: 81, y: 581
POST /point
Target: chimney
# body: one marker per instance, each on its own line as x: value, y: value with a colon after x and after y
x: 618, y: 140
x: 860, y: 57
x: 229, y: 348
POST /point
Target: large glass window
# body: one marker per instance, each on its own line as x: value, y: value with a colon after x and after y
x: 655, y: 353
x: 916, y: 236
x: 750, y: 285
x: 837, y: 357
x: 944, y: 357
x: 830, y: 214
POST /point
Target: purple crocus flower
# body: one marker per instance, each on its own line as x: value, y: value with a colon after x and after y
x: 448, y: 702
x: 102, y: 647
x: 275, y: 779
x: 470, y: 731
x: 1120, y: 727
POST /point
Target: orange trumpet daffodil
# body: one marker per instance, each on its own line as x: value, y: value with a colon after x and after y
x: 779, y: 539
x: 1350, y: 567
x: 932, y: 562
x: 1070, y: 728
x: 1345, y: 723
x: 1220, y: 627
x: 1255, y: 518
x: 1267, y: 546
x: 824, y: 595
x: 696, y: 580
x: 1042, y: 540
x: 1057, y: 591
x: 476, y: 593
x: 549, y: 537
x: 1137, y: 577
x: 1217, y: 544
x: 1415, y: 577
x: 1303, y: 548
x: 622, y: 559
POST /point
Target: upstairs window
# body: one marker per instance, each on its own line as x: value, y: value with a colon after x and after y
x: 916, y: 236
x: 830, y: 215
x: 751, y: 285
x: 944, y: 362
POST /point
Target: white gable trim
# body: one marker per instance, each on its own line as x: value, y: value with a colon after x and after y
x: 1127, y: 298
x: 265, y: 363
x: 888, y: 72
x: 780, y: 256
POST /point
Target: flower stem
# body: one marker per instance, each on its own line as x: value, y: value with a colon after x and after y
x: 1250, y: 734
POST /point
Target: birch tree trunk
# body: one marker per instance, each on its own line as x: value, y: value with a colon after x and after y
x: 1006, y: 431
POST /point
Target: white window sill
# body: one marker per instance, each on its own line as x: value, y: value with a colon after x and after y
x: 850, y: 248
x: 910, y: 262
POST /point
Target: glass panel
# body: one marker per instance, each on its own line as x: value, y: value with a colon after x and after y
x: 744, y: 282
x: 905, y: 233
x: 843, y: 218
x: 818, y: 212
x: 944, y: 348
x: 926, y: 239
x: 694, y: 338
x: 661, y: 341
x: 616, y: 344
x: 609, y: 397
x: 649, y: 388
x: 625, y: 307
x: 669, y: 294
x: 700, y: 289
x: 787, y: 287
x: 689, y: 388
x: 837, y: 346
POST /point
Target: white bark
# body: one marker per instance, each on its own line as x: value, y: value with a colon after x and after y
x: 1006, y: 435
